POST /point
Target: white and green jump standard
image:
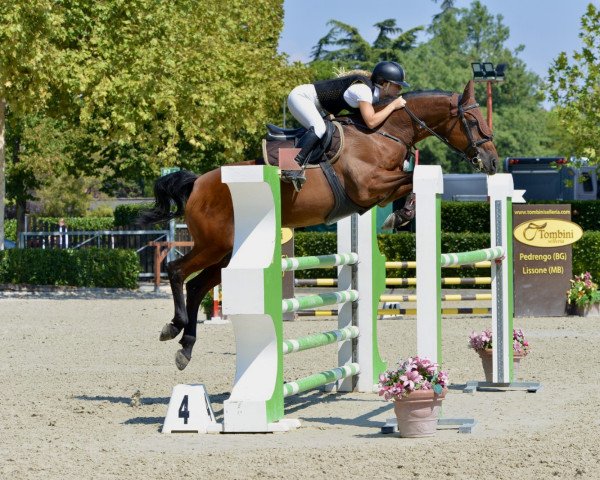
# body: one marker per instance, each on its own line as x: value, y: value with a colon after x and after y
x: 428, y: 187
x: 252, y: 300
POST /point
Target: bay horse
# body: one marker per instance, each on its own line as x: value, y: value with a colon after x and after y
x: 369, y: 168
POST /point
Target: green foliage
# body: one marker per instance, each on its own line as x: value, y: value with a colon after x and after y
x: 465, y: 217
x: 77, y: 223
x: 356, y: 52
x: 115, y: 90
x: 127, y: 215
x: 66, y: 195
x: 456, y: 37
x: 573, y: 84
x: 586, y: 214
x: 10, y: 230
x: 88, y: 267
x: 585, y: 254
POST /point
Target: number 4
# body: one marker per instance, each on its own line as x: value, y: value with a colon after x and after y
x: 184, y: 411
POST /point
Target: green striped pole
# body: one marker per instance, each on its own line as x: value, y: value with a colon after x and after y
x: 318, y: 261
x: 319, y: 339
x: 462, y: 258
x: 320, y: 379
x: 318, y: 300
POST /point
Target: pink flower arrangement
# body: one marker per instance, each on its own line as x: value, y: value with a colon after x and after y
x: 584, y: 291
x: 413, y: 374
x: 483, y: 341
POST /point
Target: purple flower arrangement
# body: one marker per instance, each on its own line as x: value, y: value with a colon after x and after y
x: 413, y: 374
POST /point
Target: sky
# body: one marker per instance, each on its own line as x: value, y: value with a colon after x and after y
x: 544, y: 27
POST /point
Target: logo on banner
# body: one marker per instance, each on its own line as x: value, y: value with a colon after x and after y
x: 548, y: 232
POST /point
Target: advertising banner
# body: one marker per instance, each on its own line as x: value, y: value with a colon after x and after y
x: 543, y: 238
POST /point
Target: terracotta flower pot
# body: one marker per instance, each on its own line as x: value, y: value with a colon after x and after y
x: 487, y: 362
x: 418, y: 413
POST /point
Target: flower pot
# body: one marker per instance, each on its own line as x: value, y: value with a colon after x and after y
x: 589, y: 310
x: 418, y: 413
x: 487, y: 361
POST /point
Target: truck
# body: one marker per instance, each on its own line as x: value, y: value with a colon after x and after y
x: 542, y: 178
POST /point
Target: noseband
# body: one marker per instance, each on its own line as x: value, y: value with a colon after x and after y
x: 474, y: 145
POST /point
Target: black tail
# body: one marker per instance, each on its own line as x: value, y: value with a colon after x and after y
x: 173, y: 188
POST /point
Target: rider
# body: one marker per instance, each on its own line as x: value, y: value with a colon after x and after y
x: 354, y: 92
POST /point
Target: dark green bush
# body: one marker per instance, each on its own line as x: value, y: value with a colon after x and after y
x: 10, y: 229
x: 127, y: 215
x: 586, y: 214
x: 586, y: 255
x: 74, y: 223
x: 465, y: 217
x: 90, y: 267
x: 475, y: 216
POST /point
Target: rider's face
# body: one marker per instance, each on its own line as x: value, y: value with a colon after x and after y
x: 391, y: 89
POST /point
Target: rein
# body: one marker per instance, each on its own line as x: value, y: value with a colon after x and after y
x: 475, y: 160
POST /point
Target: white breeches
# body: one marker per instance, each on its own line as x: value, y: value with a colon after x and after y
x: 305, y: 107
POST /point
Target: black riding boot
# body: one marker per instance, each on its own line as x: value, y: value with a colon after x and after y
x: 401, y: 217
x: 307, y: 142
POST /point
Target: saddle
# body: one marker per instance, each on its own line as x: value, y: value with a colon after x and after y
x: 278, y: 142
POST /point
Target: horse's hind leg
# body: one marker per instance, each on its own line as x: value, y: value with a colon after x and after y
x: 196, y: 288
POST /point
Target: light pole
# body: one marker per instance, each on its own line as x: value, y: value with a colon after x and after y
x: 485, y: 72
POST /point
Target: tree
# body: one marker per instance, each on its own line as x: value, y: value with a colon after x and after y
x: 456, y: 37
x: 574, y: 86
x: 27, y: 64
x: 352, y: 51
x: 141, y: 84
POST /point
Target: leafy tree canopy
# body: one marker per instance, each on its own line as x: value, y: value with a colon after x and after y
x: 455, y: 38
x: 574, y: 85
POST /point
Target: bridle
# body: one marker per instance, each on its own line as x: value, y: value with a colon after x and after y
x: 474, y: 145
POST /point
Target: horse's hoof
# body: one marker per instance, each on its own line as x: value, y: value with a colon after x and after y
x: 181, y: 360
x: 169, y: 332
x: 388, y: 224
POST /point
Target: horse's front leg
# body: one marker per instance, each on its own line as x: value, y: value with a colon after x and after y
x: 197, y: 288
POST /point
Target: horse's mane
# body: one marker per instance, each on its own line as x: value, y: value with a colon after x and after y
x: 428, y: 93
x: 415, y: 94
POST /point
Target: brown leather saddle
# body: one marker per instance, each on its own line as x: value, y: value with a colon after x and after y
x: 278, y: 140
x: 281, y: 142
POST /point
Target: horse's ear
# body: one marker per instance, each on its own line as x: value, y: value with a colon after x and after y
x: 469, y: 93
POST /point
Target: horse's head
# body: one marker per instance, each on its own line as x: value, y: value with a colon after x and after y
x: 472, y: 135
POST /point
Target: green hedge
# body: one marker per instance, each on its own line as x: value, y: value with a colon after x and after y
x: 79, y: 223
x: 90, y: 267
x: 401, y: 246
x: 126, y: 215
x: 475, y: 216
x: 586, y: 255
x: 458, y: 217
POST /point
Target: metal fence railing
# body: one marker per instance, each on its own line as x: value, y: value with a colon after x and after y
x: 142, y: 241
x: 137, y: 240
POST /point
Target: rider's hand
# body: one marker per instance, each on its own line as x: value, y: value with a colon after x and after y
x: 399, y: 103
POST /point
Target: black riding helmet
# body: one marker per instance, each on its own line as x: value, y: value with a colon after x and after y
x: 388, y: 72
